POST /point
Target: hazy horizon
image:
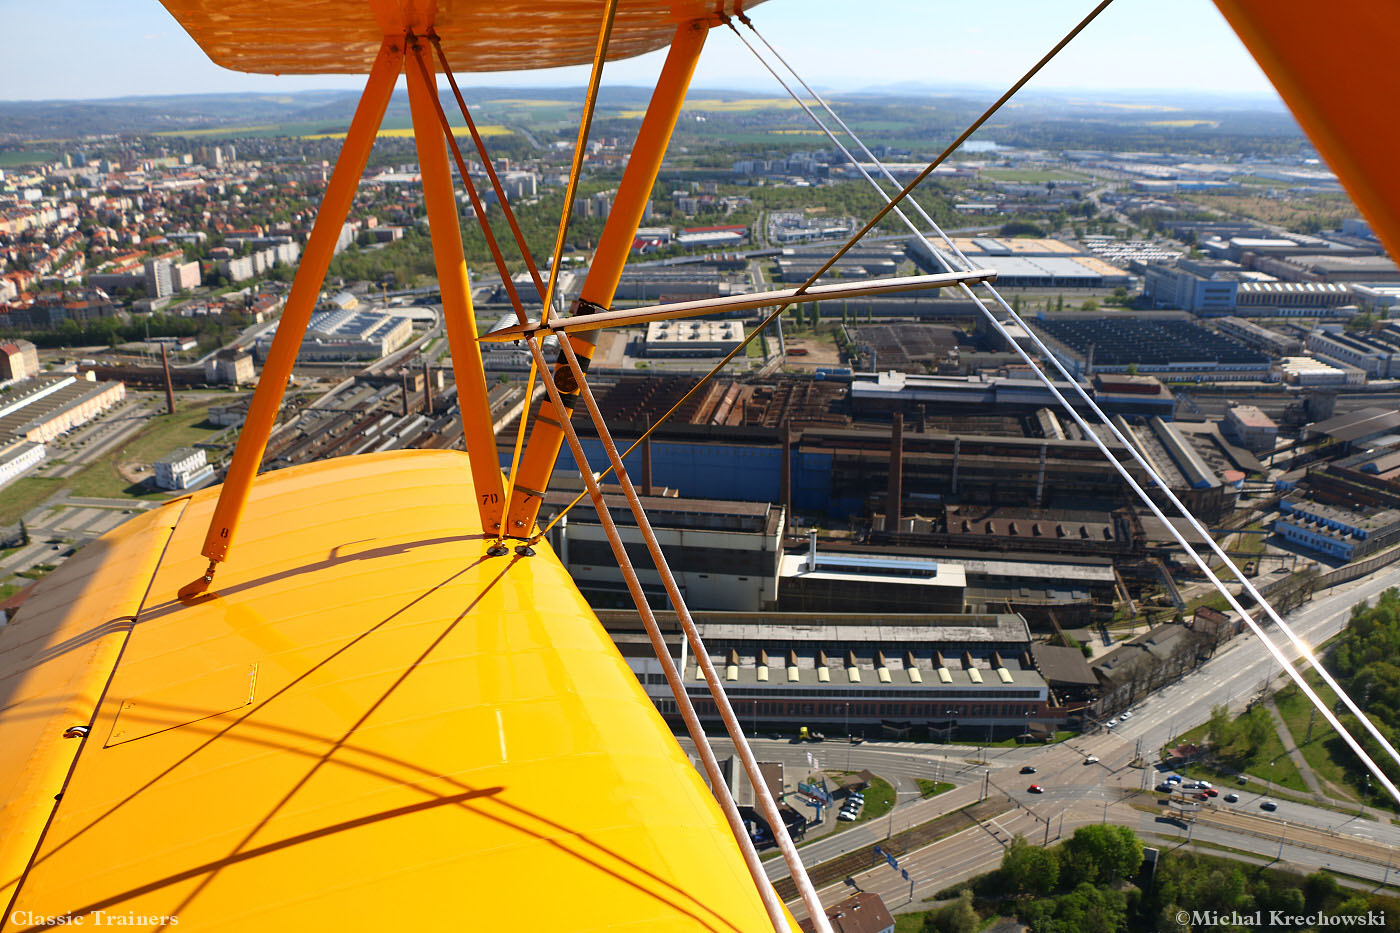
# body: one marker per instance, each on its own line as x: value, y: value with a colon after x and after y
x: 111, y: 52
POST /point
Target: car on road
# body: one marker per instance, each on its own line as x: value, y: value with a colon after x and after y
x: 1174, y: 779
x: 1092, y: 760
x: 1111, y: 723
x: 1127, y: 714
x: 857, y: 739
x: 1036, y: 789
x: 1267, y: 805
x: 1028, y: 769
x: 1211, y: 792
x: 1232, y: 798
x: 1165, y: 788
x: 1200, y: 796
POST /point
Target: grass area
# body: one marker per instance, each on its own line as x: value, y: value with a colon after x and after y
x: 879, y: 800
x: 1016, y: 742
x: 17, y: 157
x: 911, y: 923
x: 933, y: 788
x: 24, y: 494
x: 161, y: 434
x: 1329, y: 757
x: 1283, y: 772
x: 487, y: 129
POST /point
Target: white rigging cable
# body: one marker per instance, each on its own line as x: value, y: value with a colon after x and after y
x: 1298, y: 643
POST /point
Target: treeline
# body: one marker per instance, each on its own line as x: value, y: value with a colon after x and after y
x: 111, y: 331
x: 1093, y: 883
x: 1364, y: 660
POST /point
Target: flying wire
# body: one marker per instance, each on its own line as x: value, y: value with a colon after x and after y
x: 848, y: 245
x: 1303, y: 648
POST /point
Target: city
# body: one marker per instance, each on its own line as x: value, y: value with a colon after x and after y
x: 973, y: 635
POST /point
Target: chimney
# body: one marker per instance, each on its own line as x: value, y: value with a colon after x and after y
x: 646, y: 461
x: 427, y: 388
x: 169, y: 386
x: 812, y: 551
x: 785, y: 474
x: 896, y: 490
x: 404, y: 374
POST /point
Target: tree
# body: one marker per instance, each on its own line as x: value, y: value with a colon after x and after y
x: 957, y: 917
x: 1101, y: 854
x: 815, y: 316
x: 1029, y: 869
x: 1089, y: 304
x: 1059, y: 302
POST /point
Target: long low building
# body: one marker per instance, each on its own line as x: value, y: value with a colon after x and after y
x: 931, y: 673
x: 49, y: 407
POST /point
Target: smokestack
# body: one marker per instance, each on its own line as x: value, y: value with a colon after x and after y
x: 785, y: 474
x: 896, y: 491
x: 169, y: 386
x: 404, y: 374
x: 923, y: 418
x: 812, y: 551
x: 646, y: 461
x: 427, y: 388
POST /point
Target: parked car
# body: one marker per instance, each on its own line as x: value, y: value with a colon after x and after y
x: 1211, y: 792
x: 1111, y: 723
x: 1165, y: 788
x: 1036, y: 789
x: 1200, y: 796
x: 1241, y: 780
x: 847, y: 816
x: 1028, y: 770
x: 1268, y: 805
x: 1232, y: 798
x: 1092, y: 760
x: 1127, y: 714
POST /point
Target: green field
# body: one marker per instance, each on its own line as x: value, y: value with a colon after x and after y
x: 13, y: 157
x: 160, y: 435
x: 1335, y: 765
x: 1264, y: 762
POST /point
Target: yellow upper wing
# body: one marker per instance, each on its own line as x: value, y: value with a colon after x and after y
x: 342, y: 36
x: 369, y: 726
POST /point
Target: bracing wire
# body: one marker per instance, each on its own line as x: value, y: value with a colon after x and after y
x: 585, y: 123
x: 1303, y: 648
x: 854, y: 239
x: 772, y: 905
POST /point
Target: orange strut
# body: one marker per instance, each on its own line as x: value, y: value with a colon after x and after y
x: 457, y: 311
x: 301, y: 301
x: 614, y: 246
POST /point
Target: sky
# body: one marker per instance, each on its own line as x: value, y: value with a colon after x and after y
x: 134, y: 47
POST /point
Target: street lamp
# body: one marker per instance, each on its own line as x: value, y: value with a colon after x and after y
x: 848, y: 735
x: 1270, y: 787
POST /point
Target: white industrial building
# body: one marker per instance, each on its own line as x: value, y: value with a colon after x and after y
x: 348, y: 335
x: 182, y: 468
x: 693, y: 338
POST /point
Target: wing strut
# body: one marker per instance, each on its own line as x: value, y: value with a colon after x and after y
x: 301, y: 301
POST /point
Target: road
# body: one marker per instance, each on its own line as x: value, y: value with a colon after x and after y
x: 1076, y: 792
x: 1237, y: 672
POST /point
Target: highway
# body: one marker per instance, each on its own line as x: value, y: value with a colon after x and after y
x: 1076, y: 793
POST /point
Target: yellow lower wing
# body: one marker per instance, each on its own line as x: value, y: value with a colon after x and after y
x: 369, y: 726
